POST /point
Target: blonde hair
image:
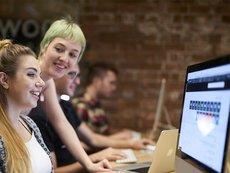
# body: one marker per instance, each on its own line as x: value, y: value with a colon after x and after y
x: 66, y: 29
x: 17, y: 156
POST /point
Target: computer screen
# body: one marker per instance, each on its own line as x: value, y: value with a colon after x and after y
x: 204, y: 121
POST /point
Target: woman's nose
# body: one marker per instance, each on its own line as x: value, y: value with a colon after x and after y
x: 64, y: 57
x: 40, y: 83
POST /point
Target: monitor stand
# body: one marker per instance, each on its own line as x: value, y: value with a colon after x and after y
x: 161, y: 109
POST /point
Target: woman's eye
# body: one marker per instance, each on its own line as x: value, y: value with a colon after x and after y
x: 73, y: 55
x: 58, y: 49
x: 31, y: 74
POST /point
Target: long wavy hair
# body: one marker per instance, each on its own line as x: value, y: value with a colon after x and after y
x: 17, y: 156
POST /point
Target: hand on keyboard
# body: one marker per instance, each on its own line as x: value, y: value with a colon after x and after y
x: 131, y: 158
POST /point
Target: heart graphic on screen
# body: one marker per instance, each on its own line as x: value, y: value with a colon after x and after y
x: 206, y: 123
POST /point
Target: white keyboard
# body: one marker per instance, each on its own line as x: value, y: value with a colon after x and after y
x: 131, y: 158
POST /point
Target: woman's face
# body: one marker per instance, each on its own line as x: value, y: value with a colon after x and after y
x: 25, y: 87
x: 59, y: 57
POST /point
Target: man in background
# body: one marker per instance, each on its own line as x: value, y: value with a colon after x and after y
x: 101, y: 82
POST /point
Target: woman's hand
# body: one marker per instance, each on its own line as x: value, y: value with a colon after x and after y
x: 102, y: 166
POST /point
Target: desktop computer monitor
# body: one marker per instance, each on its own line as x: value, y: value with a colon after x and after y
x: 203, y: 132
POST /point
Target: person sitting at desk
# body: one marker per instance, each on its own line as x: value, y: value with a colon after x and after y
x: 100, y: 83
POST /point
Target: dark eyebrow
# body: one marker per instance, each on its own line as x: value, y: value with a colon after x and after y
x: 57, y: 44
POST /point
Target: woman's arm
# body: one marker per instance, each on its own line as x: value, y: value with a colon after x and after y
x: 72, y: 168
x: 109, y: 153
x: 65, y: 130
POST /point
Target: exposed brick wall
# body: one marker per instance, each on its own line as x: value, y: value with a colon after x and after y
x: 147, y: 40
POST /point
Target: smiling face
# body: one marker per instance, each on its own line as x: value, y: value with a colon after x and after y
x: 26, y: 85
x: 59, y: 57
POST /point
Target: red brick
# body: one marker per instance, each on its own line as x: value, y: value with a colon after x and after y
x: 200, y: 9
x: 147, y: 40
x: 177, y: 8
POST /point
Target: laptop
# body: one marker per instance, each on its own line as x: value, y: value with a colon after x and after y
x: 204, y: 126
x: 163, y: 157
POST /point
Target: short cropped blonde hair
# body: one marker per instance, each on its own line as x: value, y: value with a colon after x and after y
x: 66, y: 29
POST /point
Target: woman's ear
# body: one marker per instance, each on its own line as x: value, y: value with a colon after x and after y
x: 4, y: 80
